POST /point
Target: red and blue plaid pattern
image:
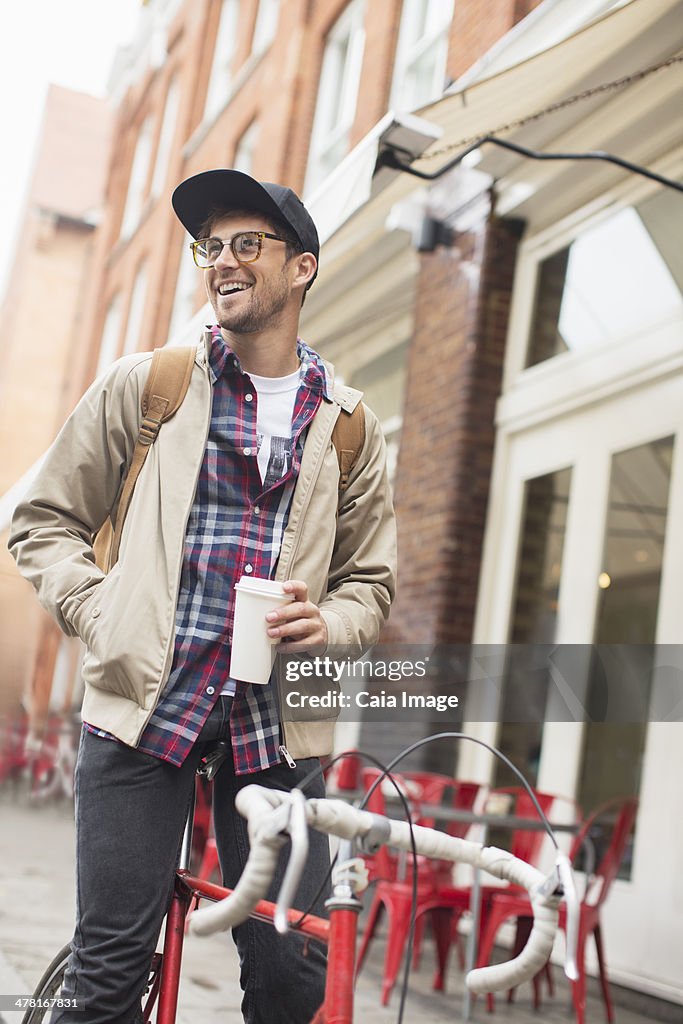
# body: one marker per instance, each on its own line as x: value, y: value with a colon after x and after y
x: 235, y: 528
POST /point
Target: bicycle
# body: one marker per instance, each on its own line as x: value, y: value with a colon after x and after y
x: 273, y: 817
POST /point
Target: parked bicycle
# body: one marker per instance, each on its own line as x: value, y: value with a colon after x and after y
x: 275, y: 817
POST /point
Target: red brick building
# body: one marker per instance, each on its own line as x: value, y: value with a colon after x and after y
x: 233, y: 83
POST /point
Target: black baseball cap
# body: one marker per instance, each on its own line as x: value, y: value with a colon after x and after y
x: 195, y: 198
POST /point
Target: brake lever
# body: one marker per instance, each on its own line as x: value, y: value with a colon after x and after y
x: 566, y: 876
x: 297, y: 829
x: 560, y: 884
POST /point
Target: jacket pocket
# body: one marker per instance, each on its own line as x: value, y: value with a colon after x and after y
x: 119, y: 640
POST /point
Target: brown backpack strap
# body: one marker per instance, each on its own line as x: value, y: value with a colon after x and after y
x: 348, y: 437
x: 166, y: 387
x: 168, y: 381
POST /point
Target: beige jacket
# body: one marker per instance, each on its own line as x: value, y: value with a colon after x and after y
x: 127, y: 618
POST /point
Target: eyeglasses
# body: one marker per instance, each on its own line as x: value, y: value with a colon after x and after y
x: 246, y: 247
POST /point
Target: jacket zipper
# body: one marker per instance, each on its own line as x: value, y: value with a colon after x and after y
x: 286, y: 756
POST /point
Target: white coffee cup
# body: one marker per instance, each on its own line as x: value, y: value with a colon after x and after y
x: 253, y: 651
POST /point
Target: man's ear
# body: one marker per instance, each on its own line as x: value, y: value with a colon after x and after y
x: 306, y: 268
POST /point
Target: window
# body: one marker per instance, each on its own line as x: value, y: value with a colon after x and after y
x: 244, y: 151
x: 534, y: 623
x: 224, y: 51
x: 383, y: 382
x: 634, y: 544
x: 617, y: 278
x: 337, y: 94
x: 109, y: 344
x: 266, y: 25
x: 420, y: 69
x: 626, y: 622
x: 185, y: 289
x: 137, y: 184
x: 166, y: 135
x: 135, y: 312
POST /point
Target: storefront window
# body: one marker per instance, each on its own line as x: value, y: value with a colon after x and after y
x: 621, y: 276
x: 626, y: 623
x: 533, y: 623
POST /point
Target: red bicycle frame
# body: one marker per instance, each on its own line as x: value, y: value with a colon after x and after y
x: 338, y: 934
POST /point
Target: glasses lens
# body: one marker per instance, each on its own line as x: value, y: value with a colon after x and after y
x: 246, y: 246
x: 206, y: 251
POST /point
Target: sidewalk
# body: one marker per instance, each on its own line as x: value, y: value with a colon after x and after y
x: 36, y: 916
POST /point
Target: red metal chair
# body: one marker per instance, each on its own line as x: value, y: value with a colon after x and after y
x: 394, y: 878
x: 506, y: 905
x: 453, y: 901
x: 439, y: 898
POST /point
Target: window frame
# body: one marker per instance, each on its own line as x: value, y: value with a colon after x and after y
x: 183, y: 294
x: 139, y: 178
x: 262, y: 40
x: 409, y: 52
x: 167, y: 132
x: 135, y: 313
x: 329, y: 131
x: 572, y: 379
x: 110, y: 336
x: 243, y: 156
x: 221, y: 78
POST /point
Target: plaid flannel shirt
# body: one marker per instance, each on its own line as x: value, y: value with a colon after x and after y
x: 235, y: 528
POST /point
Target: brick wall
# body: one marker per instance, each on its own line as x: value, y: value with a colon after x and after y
x: 279, y: 92
x: 477, y: 25
x: 444, y: 466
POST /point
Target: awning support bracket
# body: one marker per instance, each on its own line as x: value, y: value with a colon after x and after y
x: 389, y: 158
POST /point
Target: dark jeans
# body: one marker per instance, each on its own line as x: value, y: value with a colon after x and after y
x: 130, y: 813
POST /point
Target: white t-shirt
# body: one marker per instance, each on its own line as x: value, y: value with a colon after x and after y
x: 276, y: 397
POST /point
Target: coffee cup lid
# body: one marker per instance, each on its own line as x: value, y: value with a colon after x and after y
x: 255, y: 585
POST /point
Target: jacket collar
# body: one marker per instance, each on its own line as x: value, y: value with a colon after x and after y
x: 333, y: 391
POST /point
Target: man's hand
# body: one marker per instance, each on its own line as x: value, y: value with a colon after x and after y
x: 299, y: 624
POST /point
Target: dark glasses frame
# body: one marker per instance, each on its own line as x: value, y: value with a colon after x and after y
x: 201, y: 261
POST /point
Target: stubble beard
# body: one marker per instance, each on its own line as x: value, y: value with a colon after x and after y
x: 260, y: 311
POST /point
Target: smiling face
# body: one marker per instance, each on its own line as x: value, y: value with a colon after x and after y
x: 249, y: 298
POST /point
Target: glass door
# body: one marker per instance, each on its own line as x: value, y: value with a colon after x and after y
x: 584, y: 548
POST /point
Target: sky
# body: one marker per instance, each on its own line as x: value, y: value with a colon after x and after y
x: 69, y: 42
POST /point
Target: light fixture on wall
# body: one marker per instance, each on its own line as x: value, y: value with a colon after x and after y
x: 432, y: 233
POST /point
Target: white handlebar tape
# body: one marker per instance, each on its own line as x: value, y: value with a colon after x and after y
x: 338, y: 818
x: 539, y: 945
x: 256, y: 804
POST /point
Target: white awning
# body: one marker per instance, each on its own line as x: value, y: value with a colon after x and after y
x: 621, y: 43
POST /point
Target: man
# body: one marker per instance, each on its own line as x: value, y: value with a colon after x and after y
x: 243, y: 480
